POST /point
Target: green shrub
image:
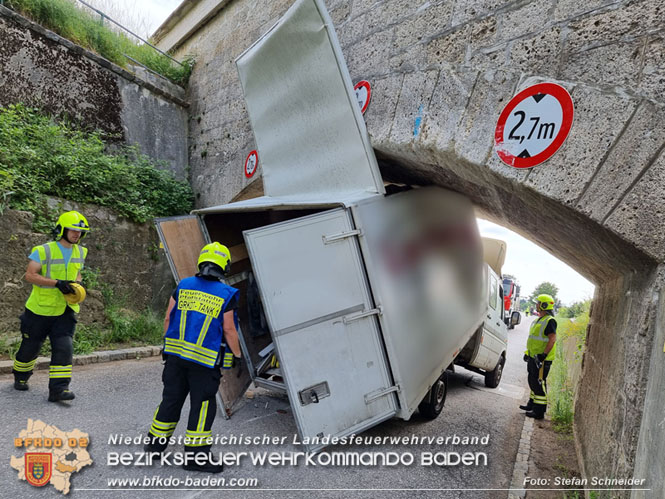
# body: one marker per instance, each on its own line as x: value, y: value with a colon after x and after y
x: 560, y: 386
x: 128, y: 326
x: 46, y: 158
x: 85, y: 29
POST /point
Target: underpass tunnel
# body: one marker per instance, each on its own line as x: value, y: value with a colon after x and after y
x: 619, y: 401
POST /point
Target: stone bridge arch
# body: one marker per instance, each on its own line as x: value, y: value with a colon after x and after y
x: 451, y: 66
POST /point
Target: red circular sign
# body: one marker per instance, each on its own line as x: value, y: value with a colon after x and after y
x: 363, y: 94
x: 534, y: 125
x: 251, y: 163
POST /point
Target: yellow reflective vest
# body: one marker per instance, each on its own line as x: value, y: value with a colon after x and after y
x: 538, y: 340
x: 47, y: 300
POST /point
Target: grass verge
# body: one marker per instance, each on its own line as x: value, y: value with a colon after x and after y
x: 87, y: 30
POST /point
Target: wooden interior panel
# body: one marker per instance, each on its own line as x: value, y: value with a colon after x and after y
x: 184, y: 239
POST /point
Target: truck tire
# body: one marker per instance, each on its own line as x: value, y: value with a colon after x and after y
x: 432, y: 404
x: 493, y: 378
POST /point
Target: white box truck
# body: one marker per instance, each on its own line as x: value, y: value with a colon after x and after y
x: 353, y: 301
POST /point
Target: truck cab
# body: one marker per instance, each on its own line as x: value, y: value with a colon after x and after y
x: 511, y: 299
x: 485, y: 353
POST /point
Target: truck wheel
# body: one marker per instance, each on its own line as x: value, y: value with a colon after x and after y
x: 432, y: 404
x: 493, y: 378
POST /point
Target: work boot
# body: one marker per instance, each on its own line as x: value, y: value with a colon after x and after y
x: 154, y: 445
x: 535, y: 414
x: 528, y: 406
x: 207, y: 467
x: 21, y: 384
x: 60, y: 396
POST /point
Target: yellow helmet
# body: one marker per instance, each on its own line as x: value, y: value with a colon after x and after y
x: 71, y: 220
x: 216, y: 253
x: 77, y: 296
x: 545, y: 302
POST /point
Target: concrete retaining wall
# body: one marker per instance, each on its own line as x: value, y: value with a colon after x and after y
x: 42, y: 69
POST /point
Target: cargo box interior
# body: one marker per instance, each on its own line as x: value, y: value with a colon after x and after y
x: 227, y: 228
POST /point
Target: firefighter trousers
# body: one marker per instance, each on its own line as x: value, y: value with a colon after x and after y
x: 538, y: 385
x: 60, y: 331
x: 182, y: 377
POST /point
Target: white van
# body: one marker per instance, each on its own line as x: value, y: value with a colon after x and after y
x: 486, y: 351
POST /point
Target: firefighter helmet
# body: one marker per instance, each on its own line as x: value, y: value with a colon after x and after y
x: 545, y: 302
x: 71, y: 220
x: 216, y: 253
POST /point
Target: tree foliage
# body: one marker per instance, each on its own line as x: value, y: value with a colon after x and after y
x: 40, y: 157
x: 547, y: 288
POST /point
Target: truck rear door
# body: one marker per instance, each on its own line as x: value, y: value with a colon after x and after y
x: 324, y: 327
x: 182, y: 238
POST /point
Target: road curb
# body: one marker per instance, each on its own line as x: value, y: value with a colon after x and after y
x: 521, y: 468
x: 92, y: 358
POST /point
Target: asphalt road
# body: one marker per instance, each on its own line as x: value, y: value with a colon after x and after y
x: 120, y: 398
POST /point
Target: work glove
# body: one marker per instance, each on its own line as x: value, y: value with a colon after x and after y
x: 541, y: 357
x: 64, y: 286
x: 237, y: 361
x: 526, y: 358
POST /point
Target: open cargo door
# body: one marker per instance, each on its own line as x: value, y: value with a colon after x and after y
x: 309, y: 130
x: 183, y: 237
x: 325, y: 330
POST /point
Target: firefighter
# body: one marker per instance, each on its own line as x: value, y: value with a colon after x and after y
x: 539, y: 354
x: 53, y: 271
x: 200, y: 323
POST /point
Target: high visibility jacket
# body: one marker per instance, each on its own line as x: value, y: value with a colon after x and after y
x: 538, y: 340
x: 195, y: 330
x: 46, y: 300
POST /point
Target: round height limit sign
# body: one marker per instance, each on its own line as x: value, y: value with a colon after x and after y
x: 533, y: 125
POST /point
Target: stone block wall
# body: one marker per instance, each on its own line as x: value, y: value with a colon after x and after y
x: 125, y: 255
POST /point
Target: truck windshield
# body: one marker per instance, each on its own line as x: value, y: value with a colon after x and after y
x: 506, y: 288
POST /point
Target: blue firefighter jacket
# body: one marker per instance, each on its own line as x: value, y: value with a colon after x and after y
x: 195, y: 329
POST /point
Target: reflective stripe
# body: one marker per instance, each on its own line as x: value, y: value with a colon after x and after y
x: 185, y: 354
x: 204, y: 330
x: 24, y: 366
x: 202, y: 416
x: 60, y: 372
x: 199, y: 433
x: 159, y: 433
x: 58, y: 261
x: 161, y: 428
x: 196, y: 438
x: 164, y: 426
x: 205, y: 352
x: 47, y: 253
x: 183, y: 325
x: 77, y: 260
x: 536, y: 338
